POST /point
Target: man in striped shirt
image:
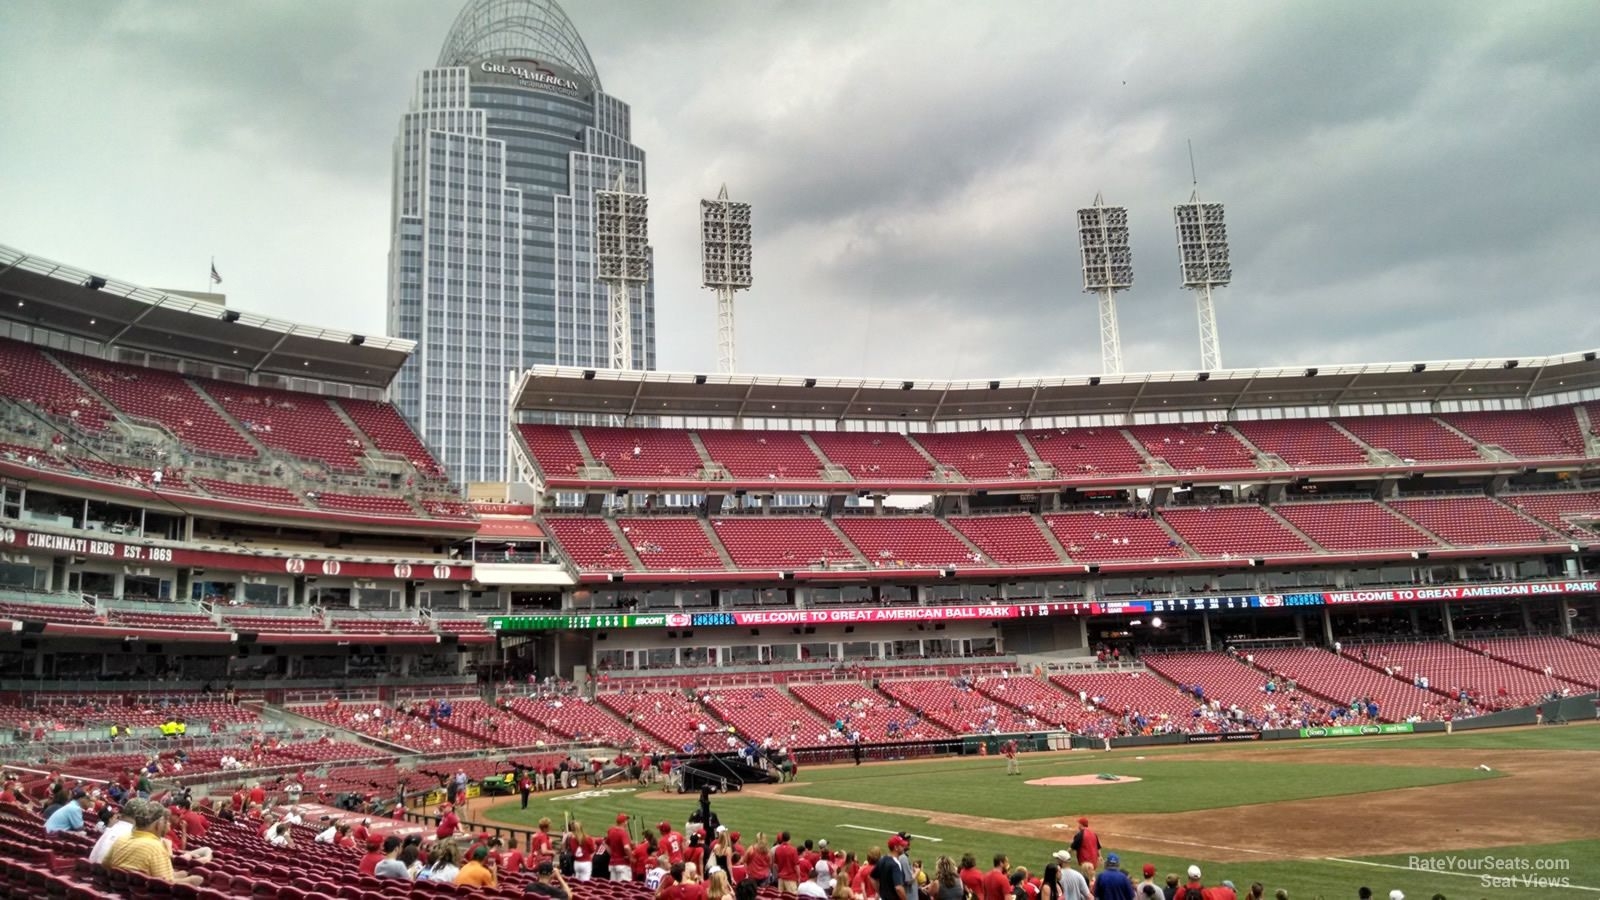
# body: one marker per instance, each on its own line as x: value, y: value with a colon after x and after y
x: 144, y: 850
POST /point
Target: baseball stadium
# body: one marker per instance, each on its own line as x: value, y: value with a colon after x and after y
x: 1296, y: 628
x: 491, y: 606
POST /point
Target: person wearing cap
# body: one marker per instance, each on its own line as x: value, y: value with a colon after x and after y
x: 887, y: 874
x: 547, y: 882
x: 144, y: 851
x: 476, y: 872
x: 375, y: 854
x: 1073, y: 884
x: 617, y: 849
x: 672, y: 841
x: 69, y: 816
x: 1113, y: 883
x: 1192, y: 889
x: 1149, y: 879
x: 1086, y: 844
x: 820, y: 884
x: 898, y: 845
x: 448, y: 822
x: 1397, y: 894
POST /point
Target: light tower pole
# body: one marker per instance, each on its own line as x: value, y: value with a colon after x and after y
x: 622, y: 255
x: 1107, y: 268
x: 1203, y: 259
x: 725, y: 254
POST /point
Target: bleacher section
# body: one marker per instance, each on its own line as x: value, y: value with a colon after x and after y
x: 589, y: 543
x: 389, y: 433
x: 1008, y: 540
x: 644, y: 452
x: 773, y: 455
x: 664, y: 715
x: 676, y: 544
x: 906, y: 541
x: 576, y: 719
x: 979, y: 455
x: 780, y: 542
x: 1526, y: 434
x: 1127, y: 693
x: 1472, y: 521
x: 1303, y: 443
x: 1234, y: 531
x: 1094, y: 537
x: 961, y: 710
x: 862, y: 710
x: 1037, y: 699
x: 1452, y: 669
x: 1195, y: 448
x: 1417, y: 438
x: 30, y: 376
x: 165, y: 398
x: 873, y: 456
x: 762, y: 712
x: 1087, y: 451
x: 1354, y: 526
x: 1558, y: 509
x: 302, y: 425
x: 553, y: 448
x: 1341, y: 679
x: 1568, y: 660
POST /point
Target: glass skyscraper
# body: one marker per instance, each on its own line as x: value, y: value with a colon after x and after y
x: 491, y: 263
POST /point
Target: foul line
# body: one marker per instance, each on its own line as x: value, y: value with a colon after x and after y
x: 1477, y: 875
x: 920, y: 837
x: 1160, y: 840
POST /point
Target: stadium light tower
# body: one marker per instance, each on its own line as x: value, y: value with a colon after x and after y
x: 1107, y: 268
x: 622, y: 253
x: 725, y: 254
x: 1203, y: 259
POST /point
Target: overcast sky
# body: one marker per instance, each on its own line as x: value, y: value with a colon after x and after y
x: 1403, y: 180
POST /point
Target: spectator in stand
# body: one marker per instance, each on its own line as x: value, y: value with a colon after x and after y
x: 281, y: 835
x: 997, y: 882
x: 376, y: 851
x: 657, y: 871
x: 672, y: 841
x: 617, y: 849
x: 69, y: 816
x: 121, y: 826
x: 511, y: 859
x: 947, y: 885
x: 758, y: 862
x: 448, y: 822
x: 786, y: 859
x: 547, y: 882
x: 820, y: 885
x: 541, y: 845
x: 863, y: 883
x: 143, y: 850
x: 890, y: 879
x: 391, y: 865
x: 1149, y: 881
x: 582, y: 848
x: 1113, y: 883
x: 971, y: 876
x: 476, y: 873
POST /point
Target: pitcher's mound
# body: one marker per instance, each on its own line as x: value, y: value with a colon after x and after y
x: 1081, y: 780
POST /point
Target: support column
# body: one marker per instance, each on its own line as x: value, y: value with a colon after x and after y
x: 1527, y: 617
x: 1327, y: 627
x: 1416, y: 620
x: 1205, y: 627
x: 1449, y: 625
x: 1563, y: 610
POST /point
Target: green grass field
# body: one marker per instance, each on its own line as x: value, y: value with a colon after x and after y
x: 977, y: 787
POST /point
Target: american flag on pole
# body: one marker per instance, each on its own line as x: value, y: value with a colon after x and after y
x: 215, y: 277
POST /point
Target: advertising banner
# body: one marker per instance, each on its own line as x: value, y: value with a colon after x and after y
x: 1358, y: 730
x: 1232, y: 737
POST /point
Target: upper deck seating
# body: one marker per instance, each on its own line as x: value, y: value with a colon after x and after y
x: 390, y: 433
x: 780, y: 542
x: 874, y: 455
x: 979, y: 455
x: 1472, y: 521
x: 1195, y: 448
x: 1236, y: 531
x: 1354, y: 525
x: 669, y: 544
x: 1008, y: 540
x: 1090, y: 536
x: 772, y: 455
x: 1079, y: 452
x: 1411, y: 438
x: 165, y: 398
x: 644, y: 452
x: 906, y: 541
x: 1303, y: 443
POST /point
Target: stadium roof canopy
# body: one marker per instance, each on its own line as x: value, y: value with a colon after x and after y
x: 636, y: 393
x: 59, y: 298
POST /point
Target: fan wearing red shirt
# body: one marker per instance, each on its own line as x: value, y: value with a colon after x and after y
x: 971, y: 875
x: 862, y: 882
x: 541, y: 846
x: 671, y: 886
x: 695, y: 854
x: 997, y: 884
x: 511, y: 859
x: 375, y: 854
x: 787, y: 861
x: 673, y: 842
x: 360, y: 833
x: 758, y: 862
x: 617, y: 845
x: 258, y: 795
x: 582, y: 848
x: 642, y: 853
x: 448, y: 823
